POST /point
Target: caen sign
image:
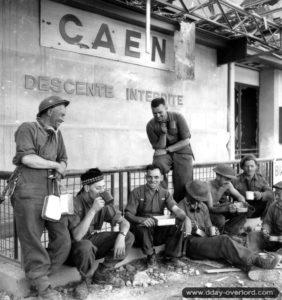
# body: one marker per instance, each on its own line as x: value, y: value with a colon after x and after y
x: 70, y: 29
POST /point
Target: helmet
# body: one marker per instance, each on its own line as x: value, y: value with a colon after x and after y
x: 50, y: 102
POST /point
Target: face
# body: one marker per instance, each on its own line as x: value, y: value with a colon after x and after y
x: 278, y: 194
x: 57, y: 116
x: 250, y: 167
x: 160, y: 113
x: 221, y: 179
x: 154, y: 178
x: 95, y: 189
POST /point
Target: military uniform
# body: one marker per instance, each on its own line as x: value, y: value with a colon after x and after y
x: 257, y: 183
x: 145, y: 202
x: 95, y: 244
x: 179, y: 161
x: 27, y: 200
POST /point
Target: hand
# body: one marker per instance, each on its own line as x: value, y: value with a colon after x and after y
x: 119, y: 247
x: 163, y: 127
x: 186, y: 227
x: 61, y: 169
x: 265, y: 233
x: 98, y: 204
x: 159, y: 152
x: 232, y: 208
x: 149, y: 222
x: 257, y: 195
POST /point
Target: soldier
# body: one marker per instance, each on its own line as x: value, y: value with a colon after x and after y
x: 94, y: 206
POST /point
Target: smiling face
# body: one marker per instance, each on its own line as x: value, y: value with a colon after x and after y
x: 250, y: 168
x: 57, y: 115
x: 160, y: 113
x: 154, y: 178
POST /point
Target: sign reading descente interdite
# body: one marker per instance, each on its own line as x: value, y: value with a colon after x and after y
x: 71, y: 29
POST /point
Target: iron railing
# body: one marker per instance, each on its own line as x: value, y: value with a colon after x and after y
x: 120, y: 182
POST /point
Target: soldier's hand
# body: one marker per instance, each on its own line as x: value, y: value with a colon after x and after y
x: 98, y: 204
x: 163, y: 127
x: 119, y: 247
x: 61, y: 169
x: 149, y: 222
x: 257, y: 195
x: 232, y: 208
x: 265, y: 233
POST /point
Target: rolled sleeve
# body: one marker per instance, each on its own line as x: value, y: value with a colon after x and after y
x: 62, y: 153
x: 25, y: 142
x: 184, y: 131
x: 170, y: 202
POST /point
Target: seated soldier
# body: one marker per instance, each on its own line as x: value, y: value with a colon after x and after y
x: 93, y: 206
x: 202, y: 243
x: 251, y: 180
x: 270, y: 236
x: 223, y: 212
x: 144, y: 202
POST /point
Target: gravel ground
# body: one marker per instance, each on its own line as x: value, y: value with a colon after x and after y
x: 166, y: 283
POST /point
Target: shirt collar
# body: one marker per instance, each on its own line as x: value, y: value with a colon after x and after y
x: 148, y: 188
x: 255, y: 177
x: 47, y: 128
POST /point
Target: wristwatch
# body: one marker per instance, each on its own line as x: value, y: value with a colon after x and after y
x: 123, y: 233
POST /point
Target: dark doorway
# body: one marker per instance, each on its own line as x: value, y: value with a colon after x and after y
x: 246, y: 120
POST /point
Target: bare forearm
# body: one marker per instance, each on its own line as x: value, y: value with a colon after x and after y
x: 134, y: 219
x: 80, y: 231
x: 124, y: 226
x: 179, y: 213
x: 36, y: 162
x: 178, y: 146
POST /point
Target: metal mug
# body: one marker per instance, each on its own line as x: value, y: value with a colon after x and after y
x: 107, y: 197
x: 250, y: 195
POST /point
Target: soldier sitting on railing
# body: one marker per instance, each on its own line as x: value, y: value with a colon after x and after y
x: 223, y: 212
x: 93, y: 206
x: 252, y: 181
x: 145, y: 202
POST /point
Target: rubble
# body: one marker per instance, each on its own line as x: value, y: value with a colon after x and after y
x: 140, y: 278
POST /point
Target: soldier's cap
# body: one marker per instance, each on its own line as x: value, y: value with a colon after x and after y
x: 91, y: 176
x: 225, y: 170
x: 278, y: 185
x: 197, y: 189
x: 51, y: 102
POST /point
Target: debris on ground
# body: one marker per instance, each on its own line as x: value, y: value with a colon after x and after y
x: 166, y: 282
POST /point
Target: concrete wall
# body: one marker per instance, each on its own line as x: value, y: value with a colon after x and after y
x: 270, y: 101
x: 105, y: 132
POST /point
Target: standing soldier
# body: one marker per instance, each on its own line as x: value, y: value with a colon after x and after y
x: 170, y: 136
x: 41, y: 160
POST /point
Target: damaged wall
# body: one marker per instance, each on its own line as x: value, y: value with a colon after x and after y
x: 105, y: 129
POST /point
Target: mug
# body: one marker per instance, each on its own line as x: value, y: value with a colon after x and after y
x: 107, y: 197
x: 250, y: 195
x: 212, y: 231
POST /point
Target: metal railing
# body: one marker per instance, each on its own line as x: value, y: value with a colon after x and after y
x: 120, y: 182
